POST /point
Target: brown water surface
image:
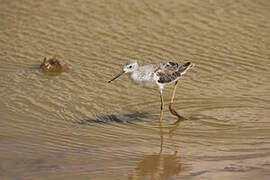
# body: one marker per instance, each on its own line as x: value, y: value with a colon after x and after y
x: 77, y: 126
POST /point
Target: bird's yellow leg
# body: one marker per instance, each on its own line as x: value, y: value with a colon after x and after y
x: 174, y: 90
x: 172, y: 110
x: 161, y: 107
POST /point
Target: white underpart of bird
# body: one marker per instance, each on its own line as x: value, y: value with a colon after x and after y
x: 144, y: 75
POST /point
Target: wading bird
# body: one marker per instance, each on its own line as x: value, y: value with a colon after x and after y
x: 160, y: 74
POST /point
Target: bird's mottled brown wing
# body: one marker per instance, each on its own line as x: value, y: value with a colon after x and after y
x: 171, y: 71
x: 168, y: 72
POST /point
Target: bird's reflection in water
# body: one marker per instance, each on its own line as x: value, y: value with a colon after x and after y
x: 160, y: 166
x: 124, y: 118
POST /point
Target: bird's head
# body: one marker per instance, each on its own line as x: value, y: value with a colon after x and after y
x: 129, y: 66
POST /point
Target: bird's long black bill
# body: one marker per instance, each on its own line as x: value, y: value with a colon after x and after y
x: 117, y: 76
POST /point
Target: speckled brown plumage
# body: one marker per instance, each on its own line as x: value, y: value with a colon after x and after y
x: 171, y: 71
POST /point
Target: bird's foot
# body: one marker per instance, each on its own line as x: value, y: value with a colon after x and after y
x: 173, y: 111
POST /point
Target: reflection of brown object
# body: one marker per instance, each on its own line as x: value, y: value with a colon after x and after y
x: 53, y: 65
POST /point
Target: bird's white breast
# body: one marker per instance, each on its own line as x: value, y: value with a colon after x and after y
x: 143, y: 75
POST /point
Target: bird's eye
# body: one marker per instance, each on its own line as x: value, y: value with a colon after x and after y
x: 129, y: 67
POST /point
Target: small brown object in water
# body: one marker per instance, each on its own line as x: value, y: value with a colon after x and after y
x: 53, y: 65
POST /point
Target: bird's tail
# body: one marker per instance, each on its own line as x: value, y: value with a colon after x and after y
x: 183, y: 69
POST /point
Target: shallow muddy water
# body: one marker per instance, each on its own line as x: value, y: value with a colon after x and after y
x: 77, y: 126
